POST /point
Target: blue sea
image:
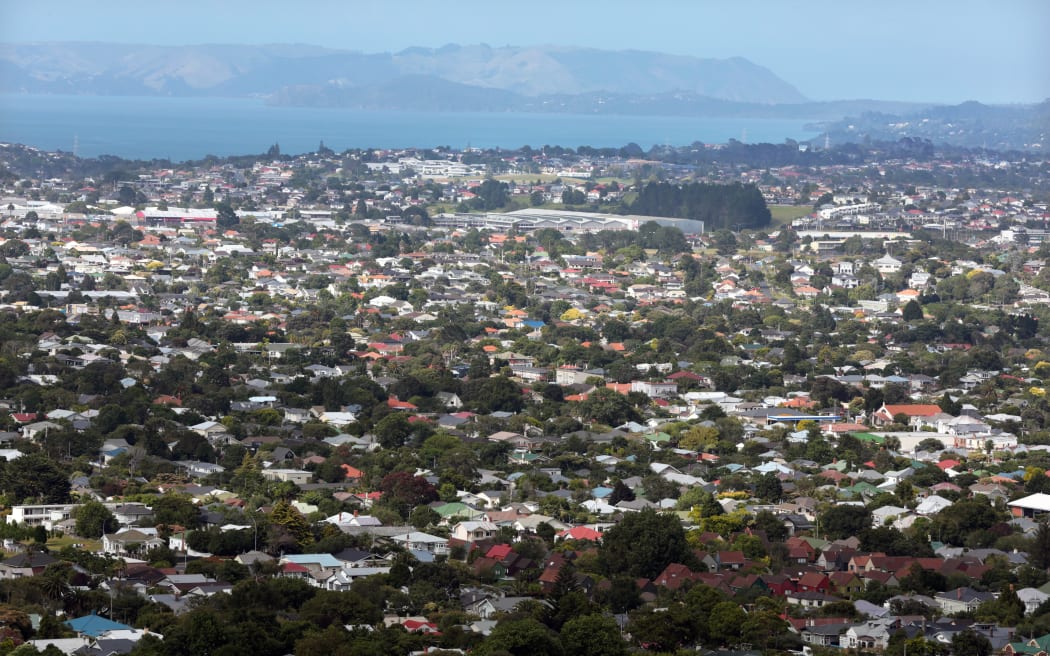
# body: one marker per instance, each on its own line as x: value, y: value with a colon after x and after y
x: 191, y: 128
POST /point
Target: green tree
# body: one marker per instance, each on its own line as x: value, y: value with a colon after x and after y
x: 423, y: 516
x: 291, y: 522
x: 725, y: 242
x: 966, y: 523
x: 621, y: 493
x: 176, y: 509
x: 35, y: 476
x: 912, y: 311
x: 520, y: 637
x: 392, y: 430
x: 970, y: 643
x: 593, y: 635
x: 608, y: 407
x: 622, y: 594
x: 328, y: 607
x: 949, y: 406
x: 93, y: 520
x: 1006, y: 610
x: 1039, y: 552
x: 769, y: 488
x: 664, y: 630
x: 490, y: 195
x: 841, y: 521
x: 643, y: 544
x: 202, y: 632
x: 493, y: 394
x: 725, y: 623
x: 771, y: 525
x: 764, y: 629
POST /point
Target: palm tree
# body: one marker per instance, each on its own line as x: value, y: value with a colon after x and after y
x: 53, y: 583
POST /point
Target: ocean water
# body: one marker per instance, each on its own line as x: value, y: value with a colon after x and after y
x: 190, y: 128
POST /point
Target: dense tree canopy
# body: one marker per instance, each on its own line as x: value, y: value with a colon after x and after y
x: 733, y: 206
x: 643, y: 544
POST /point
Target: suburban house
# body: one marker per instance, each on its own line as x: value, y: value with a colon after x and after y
x: 131, y: 541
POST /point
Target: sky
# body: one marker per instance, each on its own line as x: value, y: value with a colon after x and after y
x: 993, y: 51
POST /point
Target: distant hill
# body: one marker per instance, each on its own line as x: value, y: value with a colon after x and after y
x: 235, y: 70
x: 970, y: 124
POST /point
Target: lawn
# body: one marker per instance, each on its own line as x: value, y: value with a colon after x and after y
x: 785, y: 214
x: 60, y: 542
x: 550, y: 177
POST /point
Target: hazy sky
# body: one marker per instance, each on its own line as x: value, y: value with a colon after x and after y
x: 923, y: 50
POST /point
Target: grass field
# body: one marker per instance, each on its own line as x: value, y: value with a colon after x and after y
x: 58, y: 543
x: 784, y: 214
x: 550, y: 177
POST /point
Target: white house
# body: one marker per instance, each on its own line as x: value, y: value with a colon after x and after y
x: 419, y: 541
x: 1032, y: 598
x: 472, y: 531
x: 887, y: 264
x: 932, y: 505
x: 132, y: 541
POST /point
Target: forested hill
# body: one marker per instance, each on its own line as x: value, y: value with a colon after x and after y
x: 734, y: 206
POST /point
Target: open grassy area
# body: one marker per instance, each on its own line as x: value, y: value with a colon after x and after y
x: 59, y: 543
x: 785, y: 214
x: 532, y: 177
x: 550, y: 177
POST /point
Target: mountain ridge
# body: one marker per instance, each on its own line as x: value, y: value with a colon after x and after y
x: 240, y: 70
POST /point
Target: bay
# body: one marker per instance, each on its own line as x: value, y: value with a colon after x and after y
x: 190, y: 128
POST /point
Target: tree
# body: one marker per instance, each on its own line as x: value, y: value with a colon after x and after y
x: 423, y: 516
x: 1039, y: 552
x: 493, y: 394
x: 733, y: 206
x: 643, y: 544
x: 771, y: 525
x: 291, y: 522
x: 573, y: 197
x: 328, y: 607
x: 201, y: 632
x: 725, y: 622
x: 930, y: 444
x: 725, y: 242
x: 608, y: 407
x: 912, y: 311
x: 664, y: 630
x: 699, y: 438
x: 949, y: 406
x: 392, y: 430
x: 764, y: 629
x: 593, y: 635
x: 621, y: 493
x: 403, y: 491
x: 93, y: 520
x: 1006, y: 610
x: 970, y: 643
x: 14, y: 248
x: 126, y: 195
x: 490, y: 195
x: 622, y: 594
x: 35, y: 476
x: 840, y: 522
x: 520, y: 637
x: 769, y: 488
x: 966, y: 523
